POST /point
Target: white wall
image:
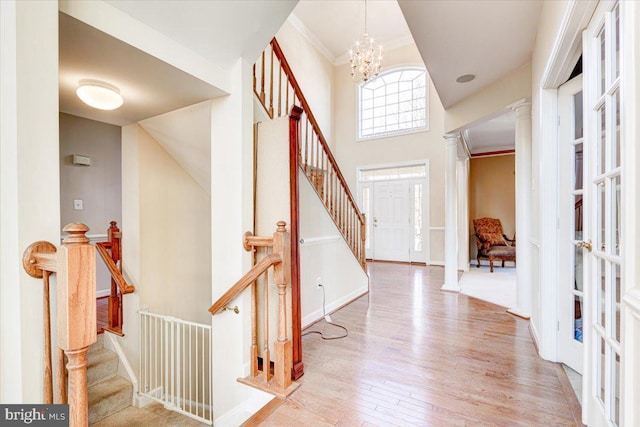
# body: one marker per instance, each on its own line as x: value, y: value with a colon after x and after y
x: 314, y: 73
x: 175, y: 226
x: 231, y: 216
x: 332, y: 262
x: 29, y: 185
x: 351, y: 153
x: 548, y: 29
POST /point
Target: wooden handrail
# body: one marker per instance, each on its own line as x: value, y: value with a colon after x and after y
x: 116, y: 275
x: 305, y: 106
x: 245, y: 281
x: 280, y: 382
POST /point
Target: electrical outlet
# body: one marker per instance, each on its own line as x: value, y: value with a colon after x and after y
x: 77, y: 204
x: 319, y: 281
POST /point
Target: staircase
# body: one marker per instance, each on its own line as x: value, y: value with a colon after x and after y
x: 108, y: 392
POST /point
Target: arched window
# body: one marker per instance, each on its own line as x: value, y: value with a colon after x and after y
x: 395, y: 102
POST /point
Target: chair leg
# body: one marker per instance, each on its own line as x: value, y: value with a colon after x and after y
x: 491, y: 264
x: 502, y: 263
x: 478, y: 264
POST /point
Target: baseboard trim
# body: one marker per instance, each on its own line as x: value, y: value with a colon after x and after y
x: 331, y: 308
x: 245, y: 410
x: 103, y: 293
x: 534, y: 337
x: 113, y: 340
x: 570, y: 395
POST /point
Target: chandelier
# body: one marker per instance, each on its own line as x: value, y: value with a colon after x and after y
x: 366, y: 60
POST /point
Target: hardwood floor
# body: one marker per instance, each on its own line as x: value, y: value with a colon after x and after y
x: 102, y: 313
x: 419, y: 356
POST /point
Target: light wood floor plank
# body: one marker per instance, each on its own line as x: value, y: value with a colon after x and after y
x: 419, y: 356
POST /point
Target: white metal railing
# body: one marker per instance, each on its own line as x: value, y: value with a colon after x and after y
x: 176, y: 364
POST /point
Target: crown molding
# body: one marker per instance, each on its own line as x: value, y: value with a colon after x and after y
x: 311, y: 38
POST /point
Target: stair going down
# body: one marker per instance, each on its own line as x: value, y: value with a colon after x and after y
x: 108, y: 392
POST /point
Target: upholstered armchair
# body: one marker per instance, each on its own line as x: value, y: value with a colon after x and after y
x: 492, y: 243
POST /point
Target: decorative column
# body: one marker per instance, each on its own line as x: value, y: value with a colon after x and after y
x: 522, y: 109
x: 463, y: 214
x: 451, y: 216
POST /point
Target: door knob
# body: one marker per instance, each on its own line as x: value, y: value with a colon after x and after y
x: 585, y: 245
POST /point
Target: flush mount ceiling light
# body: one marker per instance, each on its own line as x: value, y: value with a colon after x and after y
x: 98, y: 94
x: 466, y: 78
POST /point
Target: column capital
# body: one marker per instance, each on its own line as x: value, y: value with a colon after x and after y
x: 521, y: 106
x: 451, y: 138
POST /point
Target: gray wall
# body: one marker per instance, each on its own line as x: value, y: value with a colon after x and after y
x: 99, y: 185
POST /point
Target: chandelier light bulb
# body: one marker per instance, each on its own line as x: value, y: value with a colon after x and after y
x: 366, y: 57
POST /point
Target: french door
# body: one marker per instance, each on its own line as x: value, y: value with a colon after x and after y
x: 572, y: 207
x: 603, y: 185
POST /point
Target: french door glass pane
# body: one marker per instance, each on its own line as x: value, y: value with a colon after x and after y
x: 615, y: 214
x: 601, y: 67
x: 600, y: 368
x: 578, y: 213
x: 578, y: 269
x: 615, y: 308
x: 616, y: 389
x: 577, y: 319
x: 616, y: 36
x: 602, y: 268
x: 578, y: 166
x: 600, y: 245
x: 577, y: 116
x: 616, y: 135
x: 602, y: 127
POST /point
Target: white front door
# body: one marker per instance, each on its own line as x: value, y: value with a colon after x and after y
x: 391, y: 220
x: 571, y: 299
x: 603, y: 188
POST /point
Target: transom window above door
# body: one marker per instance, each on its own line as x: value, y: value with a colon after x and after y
x: 393, y: 103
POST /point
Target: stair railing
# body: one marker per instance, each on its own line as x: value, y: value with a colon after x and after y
x: 278, y: 91
x: 277, y: 255
x: 74, y: 264
x: 111, y: 253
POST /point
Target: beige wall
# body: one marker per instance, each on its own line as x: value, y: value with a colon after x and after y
x: 99, y: 185
x: 429, y: 144
x: 29, y: 186
x: 175, y: 236
x: 491, y: 100
x: 314, y: 73
x: 492, y: 193
x: 548, y: 29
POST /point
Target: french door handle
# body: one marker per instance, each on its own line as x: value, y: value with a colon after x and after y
x: 585, y: 245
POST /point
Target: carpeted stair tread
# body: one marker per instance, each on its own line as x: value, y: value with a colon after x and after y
x: 108, y: 397
x: 98, y: 345
x: 101, y: 365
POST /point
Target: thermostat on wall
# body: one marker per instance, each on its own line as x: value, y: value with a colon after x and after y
x: 81, y: 160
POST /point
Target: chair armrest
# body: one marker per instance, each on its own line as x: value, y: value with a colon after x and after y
x: 512, y: 241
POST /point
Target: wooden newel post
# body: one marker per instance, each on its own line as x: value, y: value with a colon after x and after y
x: 76, y: 299
x: 282, y: 277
